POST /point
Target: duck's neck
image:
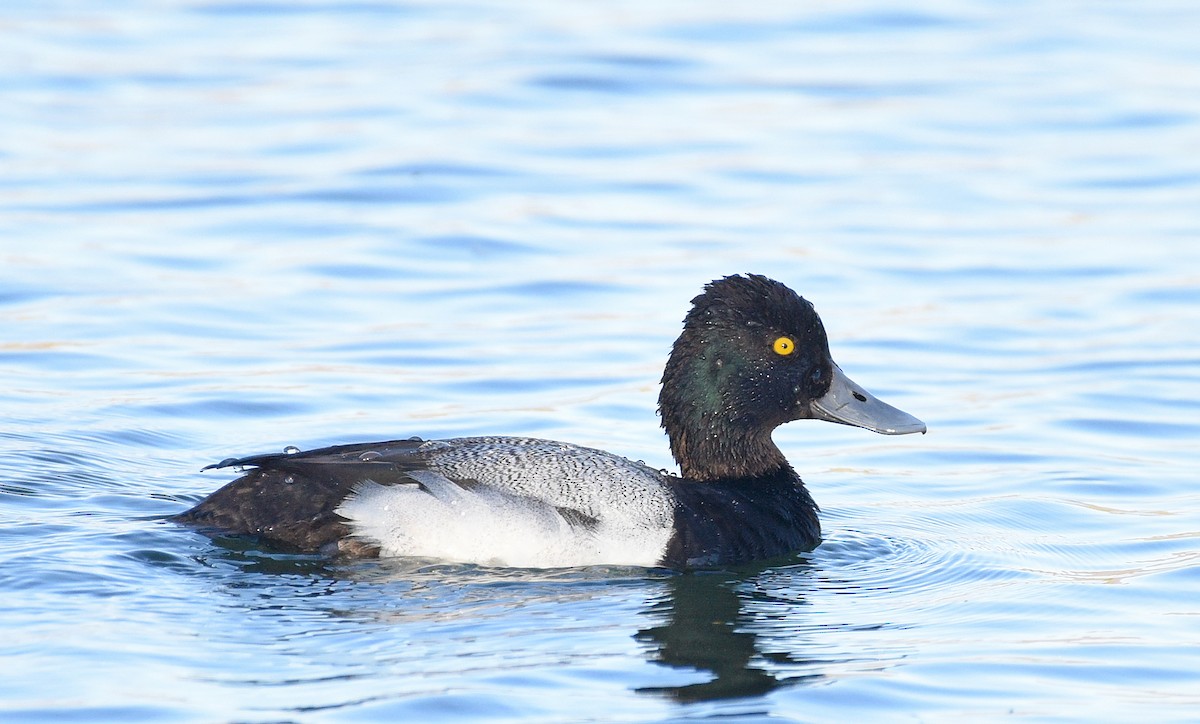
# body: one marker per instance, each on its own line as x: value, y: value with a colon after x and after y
x: 711, y: 442
x: 720, y: 454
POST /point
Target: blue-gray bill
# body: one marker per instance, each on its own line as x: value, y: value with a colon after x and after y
x: 848, y: 403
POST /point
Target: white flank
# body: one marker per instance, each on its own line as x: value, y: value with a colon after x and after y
x: 487, y: 526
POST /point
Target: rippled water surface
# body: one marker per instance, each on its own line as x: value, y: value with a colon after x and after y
x: 228, y: 227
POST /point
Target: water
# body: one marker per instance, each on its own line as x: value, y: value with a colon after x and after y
x: 232, y: 227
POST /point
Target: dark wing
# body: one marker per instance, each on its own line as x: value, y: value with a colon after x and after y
x: 292, y: 499
x: 392, y: 450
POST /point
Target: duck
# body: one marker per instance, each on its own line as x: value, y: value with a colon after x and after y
x: 752, y: 355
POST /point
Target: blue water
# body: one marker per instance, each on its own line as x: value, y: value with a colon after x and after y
x: 228, y: 227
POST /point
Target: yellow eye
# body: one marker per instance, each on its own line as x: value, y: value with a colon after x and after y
x: 784, y: 346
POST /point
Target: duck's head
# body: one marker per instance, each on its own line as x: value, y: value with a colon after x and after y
x: 753, y: 355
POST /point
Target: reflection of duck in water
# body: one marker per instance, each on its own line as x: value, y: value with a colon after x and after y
x: 752, y: 356
x: 705, y: 631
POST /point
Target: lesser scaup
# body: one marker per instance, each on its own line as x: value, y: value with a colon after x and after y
x: 752, y: 355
